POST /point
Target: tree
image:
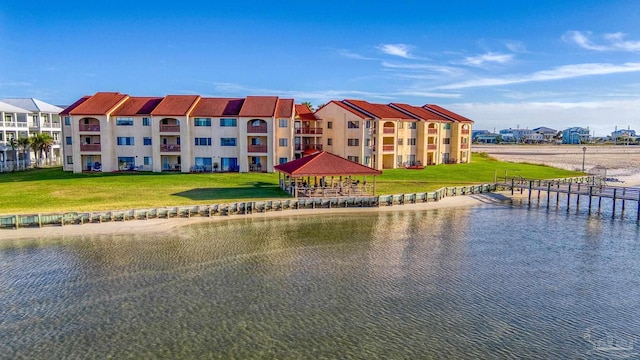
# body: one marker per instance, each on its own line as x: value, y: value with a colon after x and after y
x: 14, y: 147
x: 308, y: 103
x: 23, y: 144
x: 40, y: 143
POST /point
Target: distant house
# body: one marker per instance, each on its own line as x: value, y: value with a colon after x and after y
x: 576, y: 135
x: 487, y: 138
x: 517, y: 135
x: 548, y: 134
x: 624, y: 135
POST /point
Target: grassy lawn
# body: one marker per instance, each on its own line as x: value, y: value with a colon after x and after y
x: 52, y: 190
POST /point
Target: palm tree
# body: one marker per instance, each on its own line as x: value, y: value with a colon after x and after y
x: 40, y: 143
x: 23, y: 144
x: 308, y: 103
x: 14, y: 147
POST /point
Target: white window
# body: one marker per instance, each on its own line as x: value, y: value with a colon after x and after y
x: 125, y: 140
x: 282, y: 142
x: 353, y: 124
x: 146, y: 121
x: 69, y: 160
x: 283, y: 123
x: 353, y: 142
x: 124, y: 121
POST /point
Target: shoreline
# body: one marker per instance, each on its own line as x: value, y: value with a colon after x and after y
x: 156, y: 226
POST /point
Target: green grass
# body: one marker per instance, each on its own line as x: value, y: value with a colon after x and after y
x: 52, y: 190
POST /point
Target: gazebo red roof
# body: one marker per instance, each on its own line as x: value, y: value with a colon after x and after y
x: 325, y: 164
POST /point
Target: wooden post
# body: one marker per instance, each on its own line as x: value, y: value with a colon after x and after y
x: 530, y: 186
x: 614, y: 203
x: 638, y: 215
x: 548, y: 193
x: 569, y: 197
x: 599, y: 203
x: 512, y: 185
x: 590, y: 197
x: 624, y: 190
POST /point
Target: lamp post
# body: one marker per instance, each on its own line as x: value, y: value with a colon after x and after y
x: 584, y: 151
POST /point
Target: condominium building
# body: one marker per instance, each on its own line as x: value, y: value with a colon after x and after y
x: 22, y: 118
x: 111, y: 131
x: 387, y: 136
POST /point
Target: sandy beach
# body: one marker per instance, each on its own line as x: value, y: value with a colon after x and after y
x: 156, y: 226
x: 621, y: 162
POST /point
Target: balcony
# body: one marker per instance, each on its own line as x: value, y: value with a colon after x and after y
x: 388, y: 130
x: 432, y: 131
x: 90, y: 147
x: 257, y: 148
x: 170, y: 128
x: 169, y: 148
x: 464, y: 131
x: 309, y: 131
x: 387, y: 147
x: 303, y: 147
x: 260, y: 129
x: 432, y: 147
x: 464, y: 146
x: 89, y: 127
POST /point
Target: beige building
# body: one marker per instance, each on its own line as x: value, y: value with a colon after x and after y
x: 185, y: 133
x: 394, y: 135
x: 188, y: 133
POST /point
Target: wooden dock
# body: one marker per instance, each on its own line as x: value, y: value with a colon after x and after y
x: 594, y: 189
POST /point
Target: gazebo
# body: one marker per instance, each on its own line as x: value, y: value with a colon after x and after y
x: 324, y: 174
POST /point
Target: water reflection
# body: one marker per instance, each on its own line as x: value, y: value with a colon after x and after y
x: 485, y: 282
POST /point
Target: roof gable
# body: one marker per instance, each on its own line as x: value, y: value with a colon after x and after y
x: 33, y: 105
x: 449, y: 114
x: 304, y: 113
x: 380, y: 111
x: 137, y: 106
x: 176, y: 105
x: 284, y: 108
x: 325, y: 164
x: 259, y: 106
x: 361, y: 114
x: 74, y: 105
x: 217, y: 107
x: 102, y: 103
x: 419, y: 112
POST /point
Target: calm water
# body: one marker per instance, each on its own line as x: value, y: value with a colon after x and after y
x: 486, y: 282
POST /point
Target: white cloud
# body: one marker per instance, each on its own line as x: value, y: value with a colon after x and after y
x: 615, y: 41
x: 558, y: 73
x: 351, y: 55
x: 429, y: 67
x: 401, y: 50
x: 490, y: 57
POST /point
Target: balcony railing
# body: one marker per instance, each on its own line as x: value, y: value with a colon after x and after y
x: 257, y: 148
x: 90, y: 147
x: 432, y: 131
x: 432, y: 147
x: 303, y: 147
x: 14, y: 124
x: 464, y: 131
x: 169, y: 128
x: 387, y: 147
x: 309, y: 131
x: 89, y: 127
x: 388, y: 130
x: 169, y: 148
x: 464, y: 146
x: 260, y: 129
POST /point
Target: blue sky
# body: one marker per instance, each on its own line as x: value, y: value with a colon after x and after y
x: 501, y: 63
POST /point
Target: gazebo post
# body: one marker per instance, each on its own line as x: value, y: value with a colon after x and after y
x: 374, y: 185
x: 295, y: 187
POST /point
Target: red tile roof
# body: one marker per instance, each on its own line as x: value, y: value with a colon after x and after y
x: 137, y: 106
x: 259, y: 106
x: 101, y: 103
x: 176, y: 105
x: 285, y: 108
x: 74, y: 105
x: 325, y: 164
x: 353, y: 110
x: 380, y: 111
x: 304, y: 113
x: 421, y: 113
x: 447, y: 113
x: 217, y: 107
